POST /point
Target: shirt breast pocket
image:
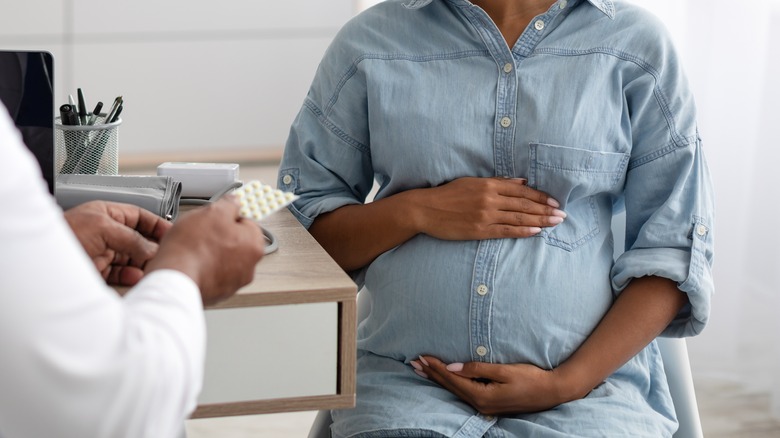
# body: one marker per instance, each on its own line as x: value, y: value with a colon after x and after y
x: 574, y: 177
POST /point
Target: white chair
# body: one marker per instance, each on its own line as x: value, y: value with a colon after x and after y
x: 676, y: 364
x: 674, y: 352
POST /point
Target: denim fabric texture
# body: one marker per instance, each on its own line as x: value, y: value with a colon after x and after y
x: 590, y: 106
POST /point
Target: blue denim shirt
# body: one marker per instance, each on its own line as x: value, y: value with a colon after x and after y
x: 591, y: 106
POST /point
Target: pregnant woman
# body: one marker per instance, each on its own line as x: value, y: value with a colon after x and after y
x: 503, y: 135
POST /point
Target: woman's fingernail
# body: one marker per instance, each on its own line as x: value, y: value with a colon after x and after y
x: 553, y: 203
x: 422, y: 359
x: 416, y: 365
x: 559, y: 213
x: 421, y: 374
x: 534, y: 230
x: 555, y: 220
x: 455, y: 367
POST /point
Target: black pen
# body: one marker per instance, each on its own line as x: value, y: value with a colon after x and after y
x: 118, y: 111
x: 95, y: 113
x: 114, y: 107
x: 68, y: 115
x: 75, y: 107
x: 99, y: 143
x: 82, y: 107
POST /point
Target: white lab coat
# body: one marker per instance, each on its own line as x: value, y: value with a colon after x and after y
x: 76, y: 359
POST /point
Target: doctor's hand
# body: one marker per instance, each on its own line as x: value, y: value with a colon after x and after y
x: 485, y: 208
x: 119, y: 238
x: 499, y: 389
x: 215, y: 247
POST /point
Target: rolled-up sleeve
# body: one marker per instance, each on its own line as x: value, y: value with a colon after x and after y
x: 668, y: 194
x: 669, y: 232
x: 327, y: 160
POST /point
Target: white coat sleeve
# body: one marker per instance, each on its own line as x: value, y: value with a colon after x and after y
x: 78, y: 360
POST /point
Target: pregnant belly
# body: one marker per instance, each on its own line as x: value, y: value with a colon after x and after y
x: 428, y: 297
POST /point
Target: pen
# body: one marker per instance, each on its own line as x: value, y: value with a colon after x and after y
x: 68, y: 117
x: 82, y: 107
x: 114, y: 108
x: 95, y: 113
x: 118, y: 111
x: 91, y: 159
x: 75, y: 107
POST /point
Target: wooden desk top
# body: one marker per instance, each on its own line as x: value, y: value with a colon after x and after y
x: 300, y: 271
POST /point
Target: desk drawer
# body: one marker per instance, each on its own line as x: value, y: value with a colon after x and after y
x: 271, y: 352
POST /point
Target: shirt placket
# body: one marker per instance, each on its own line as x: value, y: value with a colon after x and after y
x: 482, y: 297
x: 483, y: 291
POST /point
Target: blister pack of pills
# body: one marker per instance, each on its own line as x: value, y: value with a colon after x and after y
x: 258, y: 200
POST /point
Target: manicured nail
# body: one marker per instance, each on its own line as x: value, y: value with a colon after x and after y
x: 422, y: 359
x: 455, y: 367
x: 555, y: 219
x: 559, y: 213
x: 553, y: 203
x: 416, y: 365
x: 421, y: 374
x: 534, y: 230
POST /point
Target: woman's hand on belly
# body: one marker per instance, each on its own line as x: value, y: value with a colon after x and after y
x: 485, y: 208
x: 639, y: 314
x: 464, y: 209
x: 497, y: 389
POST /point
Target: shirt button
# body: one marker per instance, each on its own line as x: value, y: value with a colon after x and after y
x: 507, y: 67
x: 506, y: 122
x: 482, y: 289
x: 562, y: 4
x: 701, y: 230
x: 539, y: 25
x: 489, y: 417
x: 481, y: 350
x: 287, y: 179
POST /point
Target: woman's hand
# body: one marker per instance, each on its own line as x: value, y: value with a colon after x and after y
x: 485, y: 208
x: 639, y: 314
x: 463, y: 209
x: 499, y: 389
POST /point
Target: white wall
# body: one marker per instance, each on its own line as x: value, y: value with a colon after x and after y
x: 731, y: 56
x: 195, y: 76
x: 765, y: 266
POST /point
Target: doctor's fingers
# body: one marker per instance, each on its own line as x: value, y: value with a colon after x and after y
x: 130, y: 246
x: 123, y: 275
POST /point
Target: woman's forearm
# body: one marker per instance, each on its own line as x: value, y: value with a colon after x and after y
x: 641, y: 312
x: 464, y: 209
x: 354, y: 235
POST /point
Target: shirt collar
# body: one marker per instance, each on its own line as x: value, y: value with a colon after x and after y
x: 605, y: 6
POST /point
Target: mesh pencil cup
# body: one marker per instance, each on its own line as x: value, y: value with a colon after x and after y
x: 89, y: 149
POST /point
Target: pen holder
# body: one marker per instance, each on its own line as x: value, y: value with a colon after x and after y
x: 89, y: 149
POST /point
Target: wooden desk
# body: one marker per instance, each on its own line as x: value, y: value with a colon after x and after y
x: 267, y: 344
